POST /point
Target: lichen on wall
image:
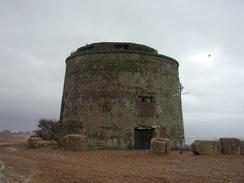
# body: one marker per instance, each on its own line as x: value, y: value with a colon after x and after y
x: 108, y: 94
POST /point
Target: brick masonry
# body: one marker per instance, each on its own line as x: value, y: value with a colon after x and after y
x: 112, y: 88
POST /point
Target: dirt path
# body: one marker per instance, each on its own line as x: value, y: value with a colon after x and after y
x: 23, y: 165
x: 37, y: 166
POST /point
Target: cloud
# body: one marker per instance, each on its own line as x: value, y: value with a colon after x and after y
x: 37, y: 36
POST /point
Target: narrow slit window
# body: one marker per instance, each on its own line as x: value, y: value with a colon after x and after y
x: 147, y: 99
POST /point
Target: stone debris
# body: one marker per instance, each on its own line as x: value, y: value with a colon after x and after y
x: 47, y: 144
x: 230, y: 146
x: 225, y: 146
x: 37, y: 142
x: 75, y: 142
x: 206, y: 147
x: 34, y: 134
x: 32, y: 142
x: 160, y: 146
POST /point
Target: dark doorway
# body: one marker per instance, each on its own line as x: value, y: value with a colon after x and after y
x: 142, y: 137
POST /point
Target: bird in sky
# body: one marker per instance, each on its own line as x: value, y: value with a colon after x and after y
x: 209, y: 55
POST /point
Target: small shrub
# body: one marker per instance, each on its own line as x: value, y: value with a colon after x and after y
x: 49, y: 130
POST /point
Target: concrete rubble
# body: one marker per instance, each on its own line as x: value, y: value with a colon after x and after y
x: 37, y: 142
x: 75, y: 142
x: 32, y: 142
x: 230, y: 146
x: 160, y: 146
x: 206, y: 147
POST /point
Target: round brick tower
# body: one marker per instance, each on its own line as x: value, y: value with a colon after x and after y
x: 122, y: 94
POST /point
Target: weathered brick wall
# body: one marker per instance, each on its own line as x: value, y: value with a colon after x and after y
x: 107, y: 94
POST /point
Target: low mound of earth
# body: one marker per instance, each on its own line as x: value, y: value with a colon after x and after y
x: 98, y: 166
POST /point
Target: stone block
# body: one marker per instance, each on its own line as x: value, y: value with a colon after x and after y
x: 32, y: 142
x: 206, y: 147
x: 47, y: 144
x: 230, y: 146
x: 37, y: 142
x: 75, y: 142
x: 34, y: 134
x: 160, y: 146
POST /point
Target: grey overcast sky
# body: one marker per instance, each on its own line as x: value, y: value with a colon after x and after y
x: 37, y: 36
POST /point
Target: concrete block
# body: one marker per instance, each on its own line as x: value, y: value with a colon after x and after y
x: 230, y: 146
x: 75, y: 142
x: 32, y: 142
x: 160, y: 146
x: 206, y: 147
x: 46, y: 144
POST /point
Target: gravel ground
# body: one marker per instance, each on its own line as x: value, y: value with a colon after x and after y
x: 109, y: 166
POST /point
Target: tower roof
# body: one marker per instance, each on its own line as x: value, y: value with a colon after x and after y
x: 115, y: 47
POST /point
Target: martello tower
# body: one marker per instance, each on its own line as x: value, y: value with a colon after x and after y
x: 122, y: 94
